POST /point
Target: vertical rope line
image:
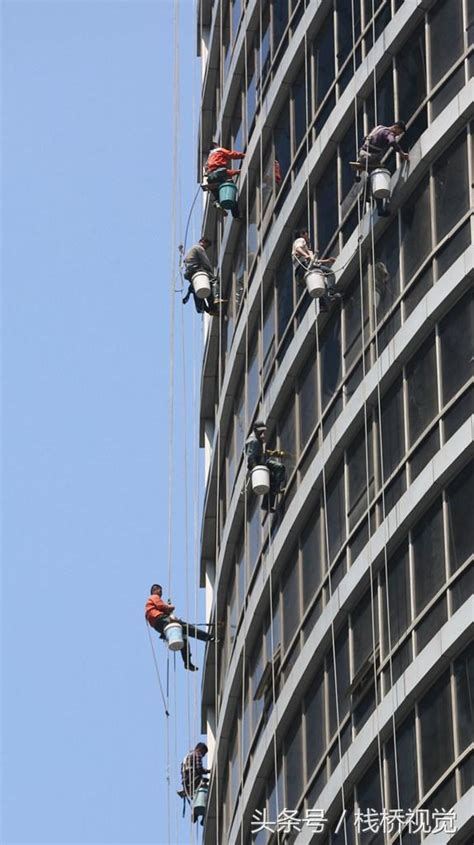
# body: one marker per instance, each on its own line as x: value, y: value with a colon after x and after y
x: 385, y: 527
x: 328, y: 564
x: 218, y: 470
x: 174, y: 212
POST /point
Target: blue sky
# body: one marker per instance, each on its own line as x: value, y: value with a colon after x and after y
x: 86, y: 254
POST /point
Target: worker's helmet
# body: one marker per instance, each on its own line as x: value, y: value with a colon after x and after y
x: 260, y: 425
x: 202, y: 747
x: 155, y: 587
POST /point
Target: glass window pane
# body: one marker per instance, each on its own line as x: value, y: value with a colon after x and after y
x: 387, y: 270
x: 456, y: 333
x: 336, y: 511
x: 315, y: 723
x: 280, y: 20
x: 344, y: 30
x: 416, y: 229
x: 362, y: 639
x: 284, y: 285
x: 330, y: 363
x: 453, y: 248
x: 356, y: 462
x: 464, y: 677
x: 307, y: 399
x: 447, y: 92
x: 436, y: 732
x: 323, y: 60
x: 422, y: 389
x: 460, y: 495
x: 254, y: 533
x: 312, y: 556
x: 407, y: 766
x: 291, y: 604
x: 411, y: 74
x: 299, y: 106
x: 393, y: 434
x: 446, y: 17
x: 294, y: 763
x: 287, y: 435
x: 428, y: 555
x: 399, y: 611
x: 326, y: 197
x: 253, y: 378
x: 281, y: 137
x: 451, y: 186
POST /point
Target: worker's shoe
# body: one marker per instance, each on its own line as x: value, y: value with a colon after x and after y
x: 181, y: 793
x: 334, y: 294
x: 191, y: 667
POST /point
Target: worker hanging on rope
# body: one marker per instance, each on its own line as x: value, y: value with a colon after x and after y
x: 204, y: 292
x: 158, y: 614
x: 259, y: 456
x: 374, y: 147
x: 194, y: 783
x: 219, y: 173
x: 305, y: 259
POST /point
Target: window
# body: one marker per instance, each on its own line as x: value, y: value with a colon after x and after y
x: 344, y: 30
x: 464, y: 677
x: 460, y: 496
x: 291, y: 600
x: 451, y: 186
x: 251, y: 98
x: 336, y: 511
x: 294, y: 763
x: 387, y: 271
x: 436, y: 732
x: 416, y: 229
x: 326, y: 197
x: 411, y: 74
x: 268, y: 332
x: 299, y: 106
x: 324, y: 70
x: 253, y: 378
x: 356, y: 463
x: 280, y: 20
x: 362, y: 638
x: 284, y: 285
x: 315, y: 723
x: 399, y: 608
x: 407, y: 767
x: 287, y: 435
x: 422, y: 389
x: 393, y: 435
x: 281, y: 137
x: 446, y: 17
x: 254, y: 533
x: 456, y: 329
x: 312, y: 556
x: 428, y: 556
x: 307, y: 399
x: 330, y: 359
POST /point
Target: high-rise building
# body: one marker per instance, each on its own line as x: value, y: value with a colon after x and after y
x: 343, y: 684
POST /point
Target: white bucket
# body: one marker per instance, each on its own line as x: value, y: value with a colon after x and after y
x: 315, y: 283
x: 199, y: 802
x: 174, y: 636
x: 201, y: 284
x: 260, y: 480
x: 380, y: 183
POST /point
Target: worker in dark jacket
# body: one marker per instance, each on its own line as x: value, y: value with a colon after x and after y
x: 217, y: 170
x: 258, y: 455
x: 377, y: 143
x: 197, y: 259
x: 158, y: 615
x: 193, y: 773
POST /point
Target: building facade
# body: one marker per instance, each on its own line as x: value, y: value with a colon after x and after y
x: 343, y: 682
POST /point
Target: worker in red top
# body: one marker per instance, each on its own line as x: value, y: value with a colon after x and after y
x: 219, y: 158
x: 218, y: 171
x: 158, y: 615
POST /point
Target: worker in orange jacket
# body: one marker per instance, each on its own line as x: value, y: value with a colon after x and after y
x: 158, y: 615
x: 218, y: 171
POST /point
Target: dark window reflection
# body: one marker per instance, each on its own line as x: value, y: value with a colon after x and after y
x: 446, y: 17
x: 411, y: 74
x: 323, y: 60
x: 436, y: 732
x: 416, y: 229
x: 451, y: 186
x: 422, y: 390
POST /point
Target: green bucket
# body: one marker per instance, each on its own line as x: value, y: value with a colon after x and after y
x: 227, y: 195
